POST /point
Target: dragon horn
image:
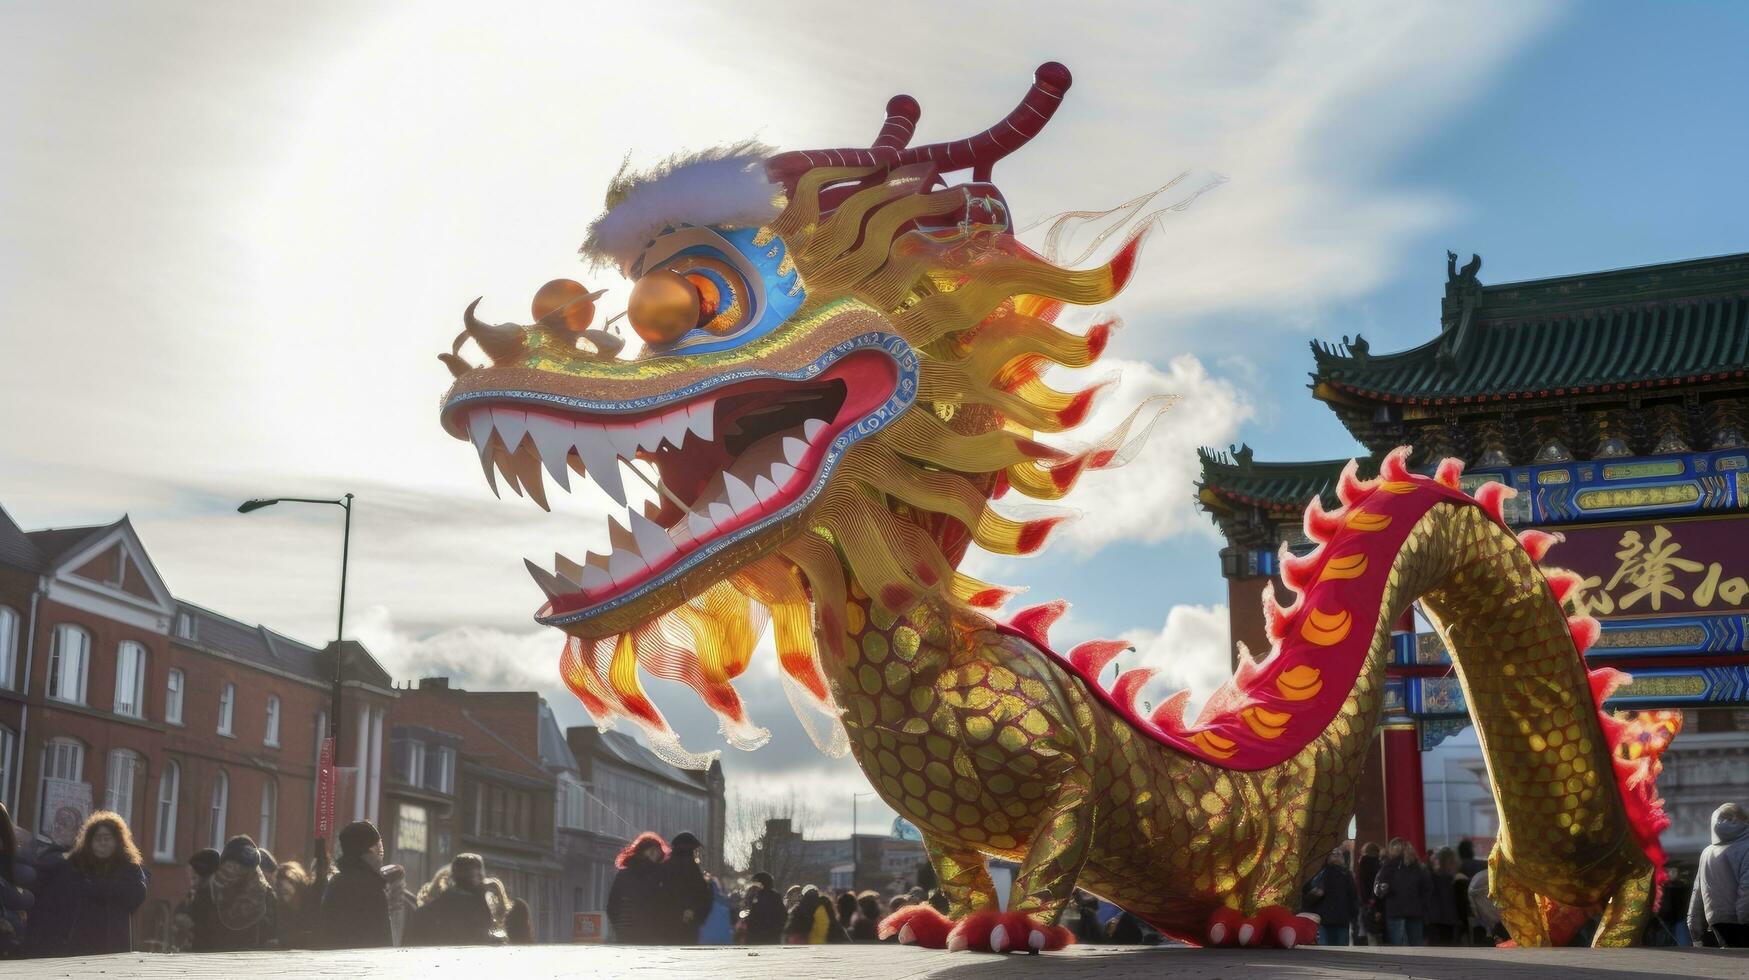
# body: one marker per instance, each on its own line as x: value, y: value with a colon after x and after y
x: 981, y: 152
x: 498, y: 340
x: 902, y: 115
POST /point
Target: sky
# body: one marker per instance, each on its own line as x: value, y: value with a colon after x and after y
x: 233, y: 239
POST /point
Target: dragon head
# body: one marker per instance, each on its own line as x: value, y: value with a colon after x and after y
x: 840, y: 370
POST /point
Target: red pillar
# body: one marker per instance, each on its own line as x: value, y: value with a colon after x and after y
x: 1404, y: 813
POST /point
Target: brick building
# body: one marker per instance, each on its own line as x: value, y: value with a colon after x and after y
x: 194, y: 726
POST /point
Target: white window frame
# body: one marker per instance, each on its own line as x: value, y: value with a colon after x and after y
x: 445, y: 769
x: 123, y: 773
x: 8, y: 766
x: 65, y: 672
x: 169, y: 801
x: 269, y: 813
x: 8, y: 653
x: 415, y: 762
x: 271, y: 735
x: 62, y: 758
x: 221, y: 804
x: 175, y: 684
x: 321, y: 735
x: 130, y: 679
x: 185, y: 625
x: 227, y: 709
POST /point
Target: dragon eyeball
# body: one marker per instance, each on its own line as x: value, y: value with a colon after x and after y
x: 664, y: 305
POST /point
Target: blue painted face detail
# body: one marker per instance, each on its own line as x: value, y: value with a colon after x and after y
x: 773, y: 297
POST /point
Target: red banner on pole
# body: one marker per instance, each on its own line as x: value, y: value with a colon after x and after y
x: 325, y: 785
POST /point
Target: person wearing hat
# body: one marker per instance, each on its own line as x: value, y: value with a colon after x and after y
x: 269, y: 865
x: 686, y: 890
x: 764, y: 914
x: 635, y: 902
x: 355, y: 909
x: 234, y: 909
x: 458, y: 915
x: 201, y: 866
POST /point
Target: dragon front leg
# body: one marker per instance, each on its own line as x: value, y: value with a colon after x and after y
x: 963, y: 878
x: 1520, y: 911
x: 1629, y: 909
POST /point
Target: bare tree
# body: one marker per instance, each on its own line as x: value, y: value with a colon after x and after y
x: 748, y: 839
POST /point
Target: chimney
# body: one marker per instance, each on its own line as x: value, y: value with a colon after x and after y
x: 433, y: 683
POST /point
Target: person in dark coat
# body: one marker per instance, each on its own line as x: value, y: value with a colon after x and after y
x: 299, y: 906
x: 1372, y: 918
x: 1446, y: 911
x: 201, y: 866
x: 686, y: 890
x: 865, y: 922
x: 459, y: 915
x: 1407, y: 890
x: 86, y: 898
x: 519, y: 924
x: 355, y: 909
x: 235, y: 909
x: 16, y: 881
x: 764, y: 914
x: 635, y: 903
x: 1087, y: 927
x: 1468, y: 863
x: 1330, y: 895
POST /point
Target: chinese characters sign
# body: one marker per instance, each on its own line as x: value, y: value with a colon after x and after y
x: 1660, y: 568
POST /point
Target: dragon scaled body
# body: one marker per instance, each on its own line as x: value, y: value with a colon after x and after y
x: 842, y: 372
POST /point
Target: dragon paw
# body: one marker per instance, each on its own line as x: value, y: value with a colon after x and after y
x: 991, y: 931
x: 1273, y: 925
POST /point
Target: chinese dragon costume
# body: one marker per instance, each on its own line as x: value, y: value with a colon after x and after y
x: 842, y: 372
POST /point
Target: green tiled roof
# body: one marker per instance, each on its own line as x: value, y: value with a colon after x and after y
x: 1235, y: 480
x: 1645, y: 327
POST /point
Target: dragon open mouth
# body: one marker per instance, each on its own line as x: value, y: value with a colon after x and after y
x: 730, y: 456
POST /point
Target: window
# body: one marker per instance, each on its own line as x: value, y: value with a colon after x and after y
x: 185, y: 625
x: 221, y: 802
x: 272, y: 735
x: 412, y: 839
x: 227, y: 704
x: 173, y: 697
x: 8, y: 745
x: 415, y: 763
x: 63, y: 762
x: 443, y: 779
x: 69, y: 655
x: 269, y: 806
x: 125, y: 768
x: 169, y: 790
x: 8, y: 652
x: 130, y: 680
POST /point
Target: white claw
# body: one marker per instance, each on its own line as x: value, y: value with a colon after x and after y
x: 1036, y: 941
x: 1246, y: 933
x: 999, y: 939
x: 907, y: 937
x: 1285, y: 937
x: 1217, y: 934
x: 956, y: 943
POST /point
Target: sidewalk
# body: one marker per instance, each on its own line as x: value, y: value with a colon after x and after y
x: 893, y: 963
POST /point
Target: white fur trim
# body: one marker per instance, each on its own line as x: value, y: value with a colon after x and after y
x: 724, y: 187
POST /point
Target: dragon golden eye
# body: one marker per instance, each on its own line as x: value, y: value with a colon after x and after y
x: 664, y: 305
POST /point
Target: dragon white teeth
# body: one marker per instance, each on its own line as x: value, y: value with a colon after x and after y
x: 625, y: 567
x: 512, y: 424
x: 794, y: 450
x: 764, y: 488
x: 674, y: 426
x: 653, y: 543
x: 699, y: 525
x: 595, y: 576
x: 619, y: 536
x: 568, y: 570
x: 782, y: 473
x: 548, y: 582
x: 741, y: 497
x: 491, y: 478
x: 480, y: 429
x: 596, y: 451
x: 624, y: 439
x: 721, y: 515
x: 701, y: 418
x: 812, y: 428
x: 553, y: 439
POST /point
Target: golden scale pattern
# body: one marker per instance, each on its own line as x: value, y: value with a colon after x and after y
x: 989, y: 747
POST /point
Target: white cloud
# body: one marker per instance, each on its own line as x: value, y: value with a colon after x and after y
x: 1191, y: 649
x: 1151, y: 498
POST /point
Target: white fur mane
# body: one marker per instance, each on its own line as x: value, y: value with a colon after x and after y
x: 724, y: 186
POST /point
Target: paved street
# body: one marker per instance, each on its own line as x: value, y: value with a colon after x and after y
x: 890, y: 963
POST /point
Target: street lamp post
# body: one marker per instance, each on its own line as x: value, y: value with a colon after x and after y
x: 855, y: 851
x: 344, y: 503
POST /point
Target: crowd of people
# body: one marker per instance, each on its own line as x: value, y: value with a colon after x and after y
x: 80, y: 900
